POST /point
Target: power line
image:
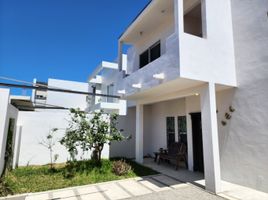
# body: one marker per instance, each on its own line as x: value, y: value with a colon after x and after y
x: 26, y: 82
x: 42, y: 88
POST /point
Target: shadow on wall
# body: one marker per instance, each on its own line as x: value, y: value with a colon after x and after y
x: 125, y: 148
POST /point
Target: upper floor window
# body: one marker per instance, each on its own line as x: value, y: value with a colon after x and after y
x: 150, y: 54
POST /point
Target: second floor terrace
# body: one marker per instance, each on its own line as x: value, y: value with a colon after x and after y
x: 178, y: 39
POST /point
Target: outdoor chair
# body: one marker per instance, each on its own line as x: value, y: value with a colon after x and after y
x: 176, y: 152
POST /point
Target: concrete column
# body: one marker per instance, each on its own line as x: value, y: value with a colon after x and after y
x: 210, y: 139
x: 178, y: 15
x: 189, y: 142
x: 139, y: 133
x: 120, y: 54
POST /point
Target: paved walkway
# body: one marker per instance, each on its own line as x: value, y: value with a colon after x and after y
x: 113, y: 190
x: 150, y: 187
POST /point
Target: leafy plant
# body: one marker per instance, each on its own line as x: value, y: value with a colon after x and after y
x: 120, y: 168
x: 90, y: 133
x: 4, y: 188
x: 49, y: 142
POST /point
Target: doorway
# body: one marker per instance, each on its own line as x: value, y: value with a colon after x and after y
x: 197, y: 142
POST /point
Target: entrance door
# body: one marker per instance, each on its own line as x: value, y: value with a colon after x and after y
x: 197, y: 142
x: 170, y: 124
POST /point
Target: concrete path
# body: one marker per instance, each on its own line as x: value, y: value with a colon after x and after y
x: 149, y: 187
x: 113, y: 190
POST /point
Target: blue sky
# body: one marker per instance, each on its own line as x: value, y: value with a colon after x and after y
x: 63, y: 39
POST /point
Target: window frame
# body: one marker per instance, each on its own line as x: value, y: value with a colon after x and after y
x: 149, y: 53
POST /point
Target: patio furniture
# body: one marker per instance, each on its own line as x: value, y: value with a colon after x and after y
x: 176, y: 152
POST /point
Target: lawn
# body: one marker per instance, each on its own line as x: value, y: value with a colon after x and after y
x: 41, y: 178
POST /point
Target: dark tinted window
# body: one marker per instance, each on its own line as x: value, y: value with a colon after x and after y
x: 144, y: 58
x: 155, y: 51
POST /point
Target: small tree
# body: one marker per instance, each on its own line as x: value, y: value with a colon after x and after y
x: 49, y: 142
x: 90, y: 133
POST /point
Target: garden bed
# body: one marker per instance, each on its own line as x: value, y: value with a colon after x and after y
x: 41, y: 178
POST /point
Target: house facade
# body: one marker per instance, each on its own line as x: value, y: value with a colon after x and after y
x: 196, y: 71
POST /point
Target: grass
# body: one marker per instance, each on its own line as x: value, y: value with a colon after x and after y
x: 41, y: 178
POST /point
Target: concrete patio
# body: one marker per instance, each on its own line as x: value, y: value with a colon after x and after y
x: 229, y: 190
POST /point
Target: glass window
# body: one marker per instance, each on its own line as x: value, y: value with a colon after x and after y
x: 182, y: 129
x: 170, y: 123
x: 150, y: 54
x: 155, y: 51
x: 144, y: 58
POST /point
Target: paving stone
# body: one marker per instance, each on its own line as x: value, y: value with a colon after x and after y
x: 134, y: 187
x: 113, y: 191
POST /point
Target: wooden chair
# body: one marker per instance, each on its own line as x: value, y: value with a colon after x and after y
x: 176, y: 152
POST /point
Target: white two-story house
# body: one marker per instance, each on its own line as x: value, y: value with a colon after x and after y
x: 196, y: 71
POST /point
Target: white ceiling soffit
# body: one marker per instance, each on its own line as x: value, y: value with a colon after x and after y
x: 157, y: 12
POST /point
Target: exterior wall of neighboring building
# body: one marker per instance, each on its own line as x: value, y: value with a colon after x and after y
x: 68, y: 100
x: 7, y: 112
x: 108, y: 77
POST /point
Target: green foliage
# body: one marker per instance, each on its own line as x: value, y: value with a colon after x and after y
x: 4, y: 189
x: 40, y: 178
x: 90, y: 133
x: 120, y: 168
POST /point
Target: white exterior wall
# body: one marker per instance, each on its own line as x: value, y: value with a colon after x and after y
x: 125, y: 148
x: 245, y: 137
x: 35, y: 128
x: 7, y: 111
x: 67, y: 100
x: 155, y: 135
x: 162, y: 32
x: 210, y: 58
x: 36, y: 125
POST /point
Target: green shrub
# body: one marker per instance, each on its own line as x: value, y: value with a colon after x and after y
x: 4, y: 189
x: 120, y: 168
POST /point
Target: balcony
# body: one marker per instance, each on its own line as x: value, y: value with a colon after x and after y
x: 167, y: 65
x: 110, y: 105
x: 196, y: 48
x: 102, y: 80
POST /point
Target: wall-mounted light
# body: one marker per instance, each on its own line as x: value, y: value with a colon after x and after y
x: 138, y: 85
x: 160, y: 76
x: 196, y: 94
x: 121, y: 91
